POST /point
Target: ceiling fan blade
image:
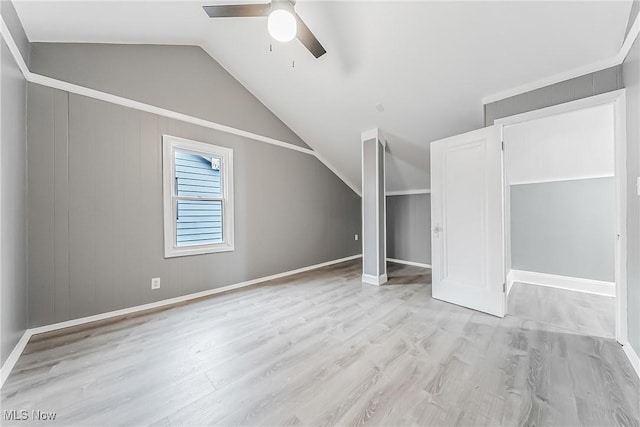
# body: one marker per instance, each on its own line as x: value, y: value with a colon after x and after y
x: 238, y: 10
x: 307, y: 38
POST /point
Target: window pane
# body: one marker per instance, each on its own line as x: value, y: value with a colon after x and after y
x: 199, y: 222
x: 197, y: 175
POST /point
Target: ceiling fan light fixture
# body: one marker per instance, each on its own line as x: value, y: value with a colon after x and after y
x: 282, y: 25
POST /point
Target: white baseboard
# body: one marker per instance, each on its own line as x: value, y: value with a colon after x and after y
x: 374, y: 280
x: 415, y: 264
x: 17, y: 351
x: 509, y: 281
x: 8, y: 365
x: 633, y: 358
x: 589, y: 286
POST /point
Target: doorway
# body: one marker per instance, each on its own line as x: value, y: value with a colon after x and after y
x: 565, y: 215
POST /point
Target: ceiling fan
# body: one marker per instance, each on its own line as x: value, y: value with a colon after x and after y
x: 283, y: 22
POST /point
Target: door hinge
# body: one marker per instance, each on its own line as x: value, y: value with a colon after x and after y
x: 502, y: 145
x: 504, y: 287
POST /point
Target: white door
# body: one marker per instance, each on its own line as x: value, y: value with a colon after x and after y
x: 467, y: 233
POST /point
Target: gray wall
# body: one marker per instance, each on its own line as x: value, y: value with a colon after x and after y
x: 179, y: 78
x: 565, y: 228
x: 409, y: 228
x: 13, y: 204
x: 95, y: 210
x: 569, y: 90
x: 625, y: 76
x: 631, y: 68
x: 584, y: 86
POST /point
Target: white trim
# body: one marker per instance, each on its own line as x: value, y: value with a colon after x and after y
x: 8, y: 365
x: 589, y: 286
x: 618, y: 99
x: 141, y: 106
x: 506, y: 224
x: 337, y: 173
x: 362, y: 234
x: 10, y: 362
x: 573, y: 178
x: 408, y: 192
x: 384, y: 207
x: 509, y: 282
x: 573, y: 73
x: 374, y: 280
x: 377, y: 177
x: 567, y: 107
x: 633, y: 357
x: 13, y: 48
x: 170, y: 199
x: 415, y: 264
x: 634, y: 31
x: 183, y: 298
x: 620, y: 148
x: 18, y: 349
x: 381, y: 139
x: 369, y: 134
x: 381, y: 266
x: 556, y: 78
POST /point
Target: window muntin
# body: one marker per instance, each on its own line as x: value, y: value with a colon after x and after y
x: 198, y: 197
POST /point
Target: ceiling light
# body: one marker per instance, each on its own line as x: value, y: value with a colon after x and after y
x: 282, y: 25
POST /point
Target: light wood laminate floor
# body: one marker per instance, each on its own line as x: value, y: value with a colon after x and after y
x: 321, y: 348
x: 580, y: 312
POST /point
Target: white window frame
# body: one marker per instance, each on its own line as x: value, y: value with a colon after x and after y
x: 171, y: 144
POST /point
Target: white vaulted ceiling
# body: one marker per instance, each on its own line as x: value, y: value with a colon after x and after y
x: 428, y: 63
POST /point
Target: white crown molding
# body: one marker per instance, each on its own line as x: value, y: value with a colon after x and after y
x: 13, y: 48
x: 141, y: 106
x: 573, y: 73
x: 408, y: 192
x: 547, y: 81
x: 19, y: 348
x: 632, y: 35
x: 415, y: 264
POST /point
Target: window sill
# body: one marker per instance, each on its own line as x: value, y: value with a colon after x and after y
x: 194, y: 250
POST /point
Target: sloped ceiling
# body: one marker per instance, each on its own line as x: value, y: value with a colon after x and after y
x: 428, y: 63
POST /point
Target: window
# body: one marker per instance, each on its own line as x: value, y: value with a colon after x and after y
x: 198, y: 197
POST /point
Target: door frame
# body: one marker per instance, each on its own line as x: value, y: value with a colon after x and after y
x: 616, y: 98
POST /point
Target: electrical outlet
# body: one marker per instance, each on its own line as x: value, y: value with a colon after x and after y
x: 355, y: 237
x: 155, y: 283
